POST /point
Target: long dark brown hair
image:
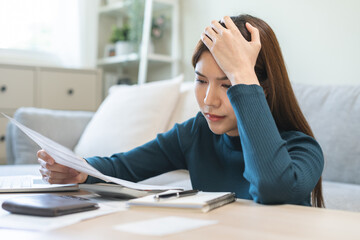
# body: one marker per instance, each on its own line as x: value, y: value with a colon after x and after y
x: 273, y: 77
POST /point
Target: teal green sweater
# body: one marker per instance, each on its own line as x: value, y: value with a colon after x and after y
x: 263, y: 163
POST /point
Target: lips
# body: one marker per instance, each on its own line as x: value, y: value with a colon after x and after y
x: 213, y: 117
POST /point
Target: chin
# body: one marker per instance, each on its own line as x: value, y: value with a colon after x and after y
x: 220, y: 131
x: 217, y: 131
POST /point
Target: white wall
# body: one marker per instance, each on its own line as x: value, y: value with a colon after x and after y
x: 320, y: 39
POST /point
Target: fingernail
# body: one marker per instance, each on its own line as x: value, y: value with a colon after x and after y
x: 42, y: 154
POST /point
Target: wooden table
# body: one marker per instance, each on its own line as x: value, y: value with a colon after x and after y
x: 242, y: 219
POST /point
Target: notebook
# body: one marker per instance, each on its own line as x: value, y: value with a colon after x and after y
x: 202, y: 201
x: 31, y: 183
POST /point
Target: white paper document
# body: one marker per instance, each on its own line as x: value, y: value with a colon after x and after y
x: 65, y: 156
x: 163, y: 226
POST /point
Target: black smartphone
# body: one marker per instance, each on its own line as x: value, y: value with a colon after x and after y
x: 48, y: 205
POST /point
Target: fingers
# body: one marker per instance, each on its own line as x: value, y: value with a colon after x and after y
x: 56, y: 177
x: 62, y: 181
x: 206, y: 40
x: 229, y: 23
x: 55, y: 173
x: 218, y: 28
x: 42, y: 154
x: 54, y: 167
x: 255, y: 35
x: 46, y: 161
x: 210, y: 33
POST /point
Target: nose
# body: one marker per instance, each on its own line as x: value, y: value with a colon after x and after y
x: 211, y: 97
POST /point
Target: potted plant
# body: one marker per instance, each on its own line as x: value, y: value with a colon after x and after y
x: 158, y: 26
x: 121, y: 38
x: 127, y: 38
x: 157, y: 30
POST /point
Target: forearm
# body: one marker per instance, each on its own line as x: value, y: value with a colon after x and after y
x: 151, y: 159
x: 278, y: 171
x: 128, y: 166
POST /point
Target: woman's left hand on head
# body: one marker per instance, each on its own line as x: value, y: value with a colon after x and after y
x: 232, y: 52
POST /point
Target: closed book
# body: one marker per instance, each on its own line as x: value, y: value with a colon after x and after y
x: 203, y: 201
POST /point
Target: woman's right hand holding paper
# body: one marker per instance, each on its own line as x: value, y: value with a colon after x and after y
x: 55, y: 173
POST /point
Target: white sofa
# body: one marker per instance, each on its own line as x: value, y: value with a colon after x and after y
x: 332, y: 111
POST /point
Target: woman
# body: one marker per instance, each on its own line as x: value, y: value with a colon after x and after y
x: 249, y: 137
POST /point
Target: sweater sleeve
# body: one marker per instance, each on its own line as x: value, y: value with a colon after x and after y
x: 281, y: 168
x: 163, y: 154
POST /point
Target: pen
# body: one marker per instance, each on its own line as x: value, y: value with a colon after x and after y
x: 176, y: 194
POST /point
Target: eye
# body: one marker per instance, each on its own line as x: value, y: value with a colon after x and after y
x: 200, y: 81
x: 226, y: 85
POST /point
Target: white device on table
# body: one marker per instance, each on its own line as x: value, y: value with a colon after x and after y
x: 31, y: 183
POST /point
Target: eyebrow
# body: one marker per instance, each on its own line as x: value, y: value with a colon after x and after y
x: 221, y: 78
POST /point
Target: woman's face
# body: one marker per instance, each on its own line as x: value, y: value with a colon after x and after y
x: 210, y: 91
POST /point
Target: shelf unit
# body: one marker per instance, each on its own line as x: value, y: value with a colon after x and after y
x: 141, y: 65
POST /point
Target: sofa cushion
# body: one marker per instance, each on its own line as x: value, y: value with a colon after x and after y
x: 341, y: 196
x: 333, y: 113
x: 130, y: 116
x: 63, y: 126
x: 186, y: 106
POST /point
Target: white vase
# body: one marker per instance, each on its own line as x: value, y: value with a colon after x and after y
x: 123, y: 47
